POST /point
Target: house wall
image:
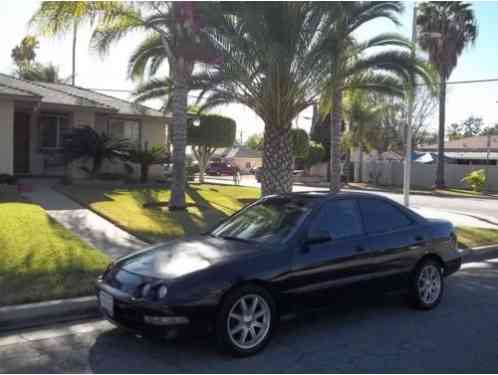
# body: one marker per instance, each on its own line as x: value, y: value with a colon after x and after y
x: 6, y: 136
x: 242, y: 163
x: 152, y: 131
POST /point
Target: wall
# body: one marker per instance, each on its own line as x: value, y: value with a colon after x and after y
x: 242, y: 163
x: 153, y: 132
x: 6, y: 136
x: 423, y: 175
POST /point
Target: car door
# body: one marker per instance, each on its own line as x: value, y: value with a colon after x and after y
x: 343, y: 259
x: 392, y: 235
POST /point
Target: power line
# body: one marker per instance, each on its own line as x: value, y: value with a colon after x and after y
x: 487, y: 80
x: 126, y: 91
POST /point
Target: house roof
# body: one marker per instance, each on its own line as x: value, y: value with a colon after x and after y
x: 58, y: 93
x: 122, y: 106
x: 242, y: 152
x: 469, y: 143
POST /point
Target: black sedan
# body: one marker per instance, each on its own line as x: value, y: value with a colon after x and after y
x: 243, y: 275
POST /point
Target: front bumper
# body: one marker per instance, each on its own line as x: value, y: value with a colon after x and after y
x: 139, y: 315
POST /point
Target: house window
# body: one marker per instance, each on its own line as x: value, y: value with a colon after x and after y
x: 52, y: 130
x: 125, y: 129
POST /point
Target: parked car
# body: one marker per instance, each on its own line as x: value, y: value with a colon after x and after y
x: 253, y: 267
x: 219, y: 169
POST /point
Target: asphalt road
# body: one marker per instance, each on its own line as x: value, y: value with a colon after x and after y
x: 477, y: 206
x: 379, y: 334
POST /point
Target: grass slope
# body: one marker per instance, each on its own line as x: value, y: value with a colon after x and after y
x: 143, y: 211
x: 40, y: 259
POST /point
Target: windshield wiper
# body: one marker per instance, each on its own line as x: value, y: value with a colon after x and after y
x: 232, y: 238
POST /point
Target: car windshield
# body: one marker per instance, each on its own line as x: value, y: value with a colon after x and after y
x: 269, y: 221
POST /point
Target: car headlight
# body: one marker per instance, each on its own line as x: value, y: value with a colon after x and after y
x: 145, y: 290
x: 162, y: 292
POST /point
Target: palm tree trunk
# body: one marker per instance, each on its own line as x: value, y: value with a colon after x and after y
x: 179, y: 143
x: 276, y: 176
x: 335, y: 139
x: 360, y: 165
x: 440, y: 184
x: 144, y: 173
x: 202, y: 163
x: 75, y: 33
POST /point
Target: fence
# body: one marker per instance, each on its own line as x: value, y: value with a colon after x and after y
x: 423, y: 175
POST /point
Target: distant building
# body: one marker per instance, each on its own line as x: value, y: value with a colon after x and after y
x: 244, y: 157
x: 467, y: 151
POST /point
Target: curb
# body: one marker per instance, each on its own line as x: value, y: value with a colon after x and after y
x: 43, y: 313
x: 58, y: 311
x: 480, y: 253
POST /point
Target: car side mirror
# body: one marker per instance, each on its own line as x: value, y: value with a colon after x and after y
x: 317, y: 237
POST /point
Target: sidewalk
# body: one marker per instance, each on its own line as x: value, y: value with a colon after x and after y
x: 457, y: 218
x: 90, y: 227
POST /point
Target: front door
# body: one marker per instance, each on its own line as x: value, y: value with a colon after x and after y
x: 21, y: 143
x: 343, y: 259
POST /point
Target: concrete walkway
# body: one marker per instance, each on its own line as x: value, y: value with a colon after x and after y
x: 90, y: 227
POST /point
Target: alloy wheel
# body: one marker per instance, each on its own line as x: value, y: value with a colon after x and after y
x: 429, y: 284
x: 248, y: 321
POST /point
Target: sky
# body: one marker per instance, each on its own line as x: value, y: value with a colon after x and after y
x: 110, y: 71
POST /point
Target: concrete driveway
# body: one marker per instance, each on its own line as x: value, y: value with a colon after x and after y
x: 379, y: 334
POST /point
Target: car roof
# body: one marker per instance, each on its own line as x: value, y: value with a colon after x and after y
x: 317, y: 196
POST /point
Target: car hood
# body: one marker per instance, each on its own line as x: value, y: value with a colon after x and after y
x: 177, y: 258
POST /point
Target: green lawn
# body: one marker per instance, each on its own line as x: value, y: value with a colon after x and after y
x: 39, y: 259
x: 208, y: 204
x: 472, y: 237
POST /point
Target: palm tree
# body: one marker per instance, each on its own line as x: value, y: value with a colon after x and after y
x: 87, y: 144
x: 175, y: 24
x: 40, y: 72
x: 350, y: 62
x: 145, y: 157
x: 271, y: 63
x: 455, y: 25
x: 362, y: 116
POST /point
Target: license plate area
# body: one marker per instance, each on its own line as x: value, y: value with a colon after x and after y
x: 106, y: 303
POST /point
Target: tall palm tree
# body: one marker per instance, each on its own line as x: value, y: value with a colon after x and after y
x: 455, y: 27
x: 350, y: 60
x: 271, y: 63
x: 40, y: 72
x: 361, y: 114
x: 182, y: 42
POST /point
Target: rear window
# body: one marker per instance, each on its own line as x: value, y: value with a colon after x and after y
x: 380, y: 216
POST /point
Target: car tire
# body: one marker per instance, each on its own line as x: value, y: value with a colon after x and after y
x: 243, y: 334
x: 427, y: 285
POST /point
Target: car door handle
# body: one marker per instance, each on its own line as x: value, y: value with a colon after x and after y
x: 359, y: 249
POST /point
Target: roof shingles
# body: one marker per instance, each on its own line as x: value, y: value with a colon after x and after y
x: 58, y: 93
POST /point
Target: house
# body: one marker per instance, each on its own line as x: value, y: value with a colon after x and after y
x: 243, y: 157
x: 467, y: 151
x: 34, y: 116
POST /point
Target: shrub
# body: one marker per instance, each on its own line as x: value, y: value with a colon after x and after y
x: 475, y: 180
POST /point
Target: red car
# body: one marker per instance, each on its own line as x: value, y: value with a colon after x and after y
x: 219, y: 169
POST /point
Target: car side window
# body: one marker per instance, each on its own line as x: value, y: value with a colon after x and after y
x: 379, y: 216
x: 340, y: 218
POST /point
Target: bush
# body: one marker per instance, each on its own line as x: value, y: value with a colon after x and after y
x: 475, y: 180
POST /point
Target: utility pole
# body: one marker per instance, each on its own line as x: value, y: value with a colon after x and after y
x: 408, y: 137
x: 487, y: 159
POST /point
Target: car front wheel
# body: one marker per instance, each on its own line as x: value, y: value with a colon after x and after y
x: 428, y: 285
x: 246, y: 320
